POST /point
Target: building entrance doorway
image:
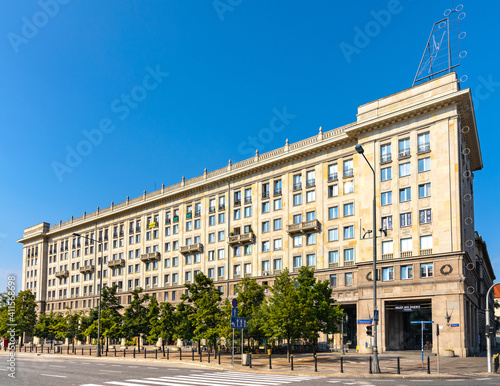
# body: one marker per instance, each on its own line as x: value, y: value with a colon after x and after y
x: 401, y: 333
x: 350, y: 326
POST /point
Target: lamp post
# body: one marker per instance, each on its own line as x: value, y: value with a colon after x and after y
x: 100, y: 291
x: 488, y: 337
x: 375, y: 364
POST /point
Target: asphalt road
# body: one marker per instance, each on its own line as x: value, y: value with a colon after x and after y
x: 35, y: 370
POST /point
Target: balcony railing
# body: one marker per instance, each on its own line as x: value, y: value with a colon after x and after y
x: 333, y: 177
x: 277, y: 192
x: 385, y: 157
x: 423, y: 147
x: 122, y: 233
x: 333, y: 265
x: 244, y: 238
x: 115, y: 235
x: 297, y: 186
x: 87, y: 269
x: 387, y: 256
x: 424, y: 252
x: 116, y: 263
x: 198, y: 247
x: 152, y: 256
x: 348, y: 173
x: 407, y: 254
x: 310, y: 183
x: 176, y: 219
x: 404, y: 152
x: 265, y: 194
x: 303, y: 227
x: 168, y: 221
x: 211, y: 209
x: 131, y: 231
x: 248, y: 200
x: 62, y: 273
x: 237, y: 202
x: 348, y: 263
x: 296, y: 269
x: 197, y: 213
x: 222, y: 206
x: 189, y: 215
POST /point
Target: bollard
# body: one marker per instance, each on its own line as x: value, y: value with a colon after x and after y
x: 106, y: 351
x: 82, y: 351
x: 399, y: 368
x: 168, y: 351
x: 36, y: 349
x: 315, y: 362
x: 163, y: 349
x: 90, y: 351
x: 209, y: 357
x: 428, y: 365
x: 134, y: 353
x: 341, y: 364
x: 192, y: 355
x: 496, y: 363
x: 145, y: 351
x: 291, y: 362
x: 180, y: 353
x: 67, y: 351
x: 201, y: 356
x: 270, y: 366
x: 124, y: 353
x: 156, y: 354
x: 370, y: 372
x: 218, y: 356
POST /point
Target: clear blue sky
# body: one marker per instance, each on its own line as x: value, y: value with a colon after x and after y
x: 227, y: 70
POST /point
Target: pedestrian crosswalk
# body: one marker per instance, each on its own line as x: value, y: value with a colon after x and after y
x: 222, y: 378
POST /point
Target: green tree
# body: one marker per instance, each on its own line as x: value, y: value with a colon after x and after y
x: 24, y: 317
x: 184, y: 326
x: 72, y: 320
x: 205, y: 299
x: 164, y: 326
x: 45, y: 327
x: 250, y: 297
x: 135, y: 321
x: 153, y: 317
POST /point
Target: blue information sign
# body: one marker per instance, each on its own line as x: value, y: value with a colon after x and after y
x: 238, y: 322
x: 234, y: 312
x: 375, y: 315
x: 454, y: 325
x: 364, y: 321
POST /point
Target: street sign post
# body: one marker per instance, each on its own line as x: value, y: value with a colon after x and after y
x: 238, y: 322
x: 422, y: 322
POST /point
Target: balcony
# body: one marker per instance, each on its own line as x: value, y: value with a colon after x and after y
x: 265, y: 195
x: 304, y: 227
x: 348, y: 173
x: 297, y: 186
x: 116, y: 263
x: 153, y: 224
x: 152, y: 256
x: 244, y: 238
x: 333, y: 265
x: 248, y: 200
x: 333, y: 177
x: 62, y: 273
x: 87, y: 269
x: 387, y: 256
x: 407, y: 254
x: 424, y: 252
x: 423, y: 147
x: 237, y: 202
x: 403, y: 153
x: 198, y: 247
x: 385, y: 158
x: 348, y: 263
x: 310, y: 183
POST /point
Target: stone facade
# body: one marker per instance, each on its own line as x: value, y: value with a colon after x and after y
x: 310, y: 203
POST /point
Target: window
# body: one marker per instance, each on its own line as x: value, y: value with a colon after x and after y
x: 211, y: 220
x: 404, y: 194
x: 406, y: 272
x: 310, y: 216
x: 297, y: 218
x: 333, y: 234
x: 424, y: 143
x: 348, y: 255
x: 277, y: 264
x: 266, y: 266
x: 220, y: 254
x: 311, y: 239
x: 297, y: 182
x: 175, y: 245
x: 266, y: 246
x: 388, y: 274
x: 265, y: 227
x: 406, y: 245
x: 333, y: 212
x: 425, y: 216
x: 297, y: 241
x: 277, y: 224
x: 297, y: 199
x: 266, y: 207
x: 404, y: 147
x: 248, y: 211
x: 386, y: 173
x: 247, y: 250
x: 248, y: 268
x: 333, y: 280
x: 348, y: 209
x: 348, y: 168
x: 310, y: 178
x: 176, y: 229
x: 404, y: 169
x: 348, y: 279
x: 311, y: 196
x: 424, y: 164
x: 387, y: 247
x: 175, y: 262
x: 311, y: 260
x: 237, y: 251
x: 221, y: 236
x: 211, y: 237
x: 332, y: 172
x: 197, y: 224
x: 348, y: 187
x: 425, y: 242
x: 220, y: 271
x: 167, y: 263
x: 333, y: 191
x: 189, y: 226
x: 426, y: 270
x: 237, y: 270
x: 349, y: 232
x: 297, y: 261
x: 211, y: 255
x: 333, y: 257
x: 248, y: 196
x: 385, y: 153
x: 424, y: 190
x: 237, y: 214
x: 222, y: 218
x: 405, y: 220
x: 277, y: 187
x: 211, y: 272
x: 387, y: 222
x: 277, y: 244
x: 277, y: 204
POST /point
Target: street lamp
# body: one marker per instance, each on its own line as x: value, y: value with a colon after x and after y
x: 375, y: 364
x: 100, y: 291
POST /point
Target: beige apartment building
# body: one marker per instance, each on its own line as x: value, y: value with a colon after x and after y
x: 306, y: 203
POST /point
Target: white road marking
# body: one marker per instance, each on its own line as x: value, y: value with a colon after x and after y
x: 52, y: 375
x: 56, y: 366
x: 154, y: 368
x: 219, y: 381
x: 111, y: 371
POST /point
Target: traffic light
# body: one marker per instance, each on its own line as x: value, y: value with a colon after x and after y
x: 369, y: 330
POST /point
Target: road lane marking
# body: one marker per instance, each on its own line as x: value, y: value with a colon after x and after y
x: 111, y: 371
x: 57, y: 366
x: 52, y: 375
